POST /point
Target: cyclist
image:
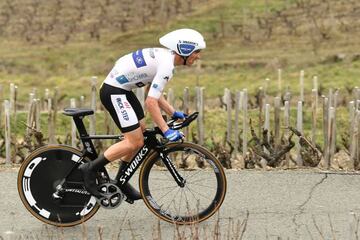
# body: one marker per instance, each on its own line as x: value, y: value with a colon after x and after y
x: 153, y: 67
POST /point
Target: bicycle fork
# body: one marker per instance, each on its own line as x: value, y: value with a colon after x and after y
x: 170, y: 166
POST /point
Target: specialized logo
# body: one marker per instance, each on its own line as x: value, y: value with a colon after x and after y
x: 139, y: 59
x: 188, y: 42
x: 74, y: 190
x: 122, y: 106
x: 133, y: 165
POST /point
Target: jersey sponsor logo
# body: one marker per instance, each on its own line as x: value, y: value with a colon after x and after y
x: 166, y: 78
x: 139, y: 59
x: 122, y: 106
x: 155, y: 85
x: 127, y: 105
x: 122, y: 79
x: 140, y: 84
x: 188, y: 42
x: 136, y: 77
x: 185, y: 48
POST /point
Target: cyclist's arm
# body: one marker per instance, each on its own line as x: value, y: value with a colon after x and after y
x: 165, y: 105
x: 152, y: 105
x: 155, y: 100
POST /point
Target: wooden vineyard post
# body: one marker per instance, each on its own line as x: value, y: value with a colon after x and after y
x: 13, y: 102
x: 325, y: 126
x: 286, y: 125
x: 12, y: 98
x: 186, y: 109
x: 170, y: 97
x: 261, y: 108
x: 82, y: 101
x: 355, y: 150
x: 277, y: 138
x: 37, y: 115
x: 299, y: 127
x: 30, y: 117
x: 301, y: 84
x: 358, y: 135
x: 266, y: 89
x: 332, y: 128
x: 266, y: 127
x: 352, y: 137
x: 228, y: 109
x: 73, y: 127
x: 52, y: 116
x: 331, y: 138
x: 245, y: 122
x: 46, y: 100
x: 93, y: 105
x: 33, y: 119
x: 1, y: 109
x: 7, y: 132
x: 314, y: 116
x: 200, y: 109
x: 238, y: 102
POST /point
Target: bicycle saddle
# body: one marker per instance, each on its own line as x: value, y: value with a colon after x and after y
x: 77, y: 112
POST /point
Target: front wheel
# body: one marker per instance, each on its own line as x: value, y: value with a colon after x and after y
x: 200, y: 197
x: 38, y: 177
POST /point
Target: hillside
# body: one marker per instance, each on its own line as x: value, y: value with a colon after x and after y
x: 63, y: 43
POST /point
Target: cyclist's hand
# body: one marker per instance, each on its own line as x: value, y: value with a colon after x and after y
x: 173, y: 135
x: 179, y: 115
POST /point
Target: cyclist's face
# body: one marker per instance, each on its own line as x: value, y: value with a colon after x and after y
x: 193, y: 57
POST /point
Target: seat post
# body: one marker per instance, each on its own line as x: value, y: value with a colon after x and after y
x: 88, y: 145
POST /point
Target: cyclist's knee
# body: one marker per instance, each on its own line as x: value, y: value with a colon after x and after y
x: 135, y: 145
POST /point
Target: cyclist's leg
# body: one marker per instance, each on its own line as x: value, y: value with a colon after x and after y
x: 132, y: 128
x: 132, y: 141
x: 127, y: 158
x: 126, y: 111
x: 130, y: 191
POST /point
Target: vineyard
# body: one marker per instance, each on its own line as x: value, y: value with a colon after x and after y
x: 63, y: 43
x: 37, y: 21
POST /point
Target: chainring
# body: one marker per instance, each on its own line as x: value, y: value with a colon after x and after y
x: 111, y: 196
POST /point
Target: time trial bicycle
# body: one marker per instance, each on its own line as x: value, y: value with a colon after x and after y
x: 51, y: 186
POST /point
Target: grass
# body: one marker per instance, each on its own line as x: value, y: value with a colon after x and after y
x: 229, y: 61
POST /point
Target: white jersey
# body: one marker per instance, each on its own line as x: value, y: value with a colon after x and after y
x: 145, y: 66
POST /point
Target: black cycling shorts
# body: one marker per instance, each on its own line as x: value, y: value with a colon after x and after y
x: 123, y: 106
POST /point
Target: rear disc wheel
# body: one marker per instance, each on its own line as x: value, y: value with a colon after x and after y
x: 38, y: 177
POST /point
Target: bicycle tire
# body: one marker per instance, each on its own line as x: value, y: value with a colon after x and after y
x: 38, y: 177
x: 152, y: 193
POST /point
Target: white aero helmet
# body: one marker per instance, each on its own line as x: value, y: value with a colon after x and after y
x: 183, y: 41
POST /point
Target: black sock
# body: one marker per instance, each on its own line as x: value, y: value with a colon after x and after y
x: 98, y: 163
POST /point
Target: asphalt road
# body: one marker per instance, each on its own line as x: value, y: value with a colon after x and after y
x: 259, y: 205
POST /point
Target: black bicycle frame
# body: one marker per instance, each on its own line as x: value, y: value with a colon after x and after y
x: 150, y: 143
